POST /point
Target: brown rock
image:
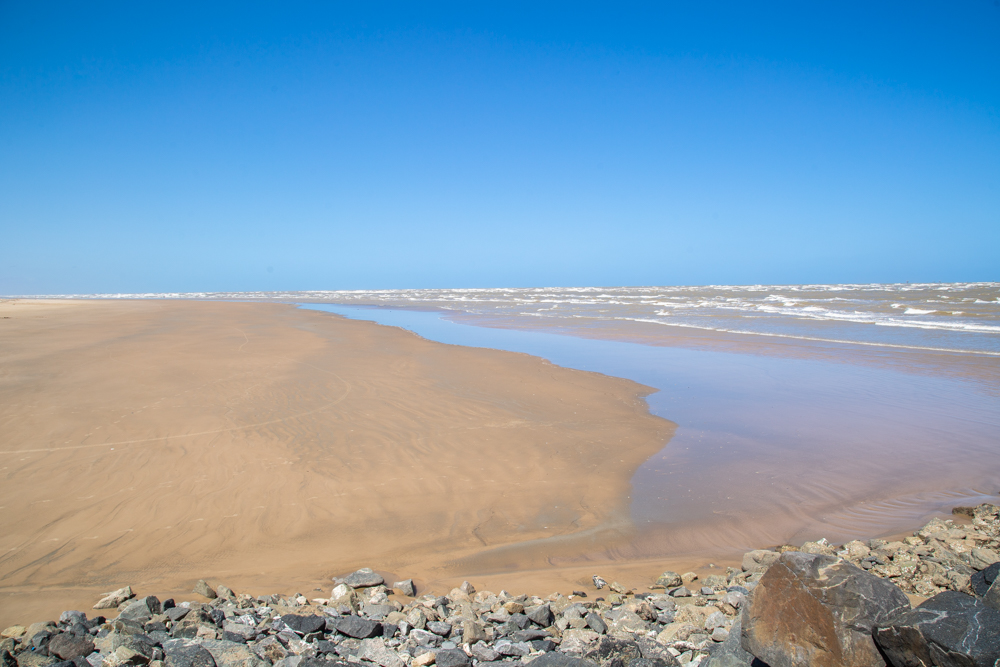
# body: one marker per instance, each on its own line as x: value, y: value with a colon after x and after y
x: 811, y: 610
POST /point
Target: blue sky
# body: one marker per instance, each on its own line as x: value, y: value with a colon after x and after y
x: 251, y: 146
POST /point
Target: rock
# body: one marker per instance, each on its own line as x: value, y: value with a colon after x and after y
x: 113, y: 599
x: 555, y: 659
x: 225, y: 592
x: 304, y: 624
x: 980, y: 559
x: 357, y: 627
x: 676, y: 632
x: 729, y: 653
x: 67, y: 646
x: 816, y: 610
x: 599, y: 583
x: 13, y: 631
x: 472, y: 632
x: 141, y: 609
x: 577, y: 641
x: 269, y: 649
x: 125, y: 657
x: 596, y: 623
x: 981, y: 581
x: 176, y: 613
x: 951, y: 628
x: 467, y: 588
x: 516, y: 649
x: 680, y: 592
x: 759, y: 560
x: 452, y: 658
x: 991, y: 599
x: 542, y: 615
x: 186, y: 653
x: 203, y: 589
x: 232, y: 654
x: 669, y: 579
x: 33, y: 659
x: 424, y: 638
x: 439, y: 628
x: 720, y: 634
x: 406, y: 587
x: 688, y: 577
x: 375, y: 650
x: 363, y: 578
x: 714, y: 620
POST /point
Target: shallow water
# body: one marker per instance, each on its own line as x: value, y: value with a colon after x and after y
x: 771, y: 449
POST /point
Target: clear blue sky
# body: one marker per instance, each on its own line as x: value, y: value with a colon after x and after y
x: 243, y: 146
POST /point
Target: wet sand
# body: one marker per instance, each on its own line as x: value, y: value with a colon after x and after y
x: 154, y: 443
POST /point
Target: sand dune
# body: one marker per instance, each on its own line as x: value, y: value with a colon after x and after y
x: 158, y: 442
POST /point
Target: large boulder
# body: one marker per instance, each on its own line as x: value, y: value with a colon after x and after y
x: 951, y: 628
x: 813, y: 610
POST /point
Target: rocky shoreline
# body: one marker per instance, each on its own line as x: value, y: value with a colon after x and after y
x: 813, y: 604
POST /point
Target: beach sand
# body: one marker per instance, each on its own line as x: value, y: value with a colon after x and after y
x: 154, y: 443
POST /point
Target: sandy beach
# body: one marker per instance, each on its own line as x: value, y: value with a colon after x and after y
x: 155, y: 443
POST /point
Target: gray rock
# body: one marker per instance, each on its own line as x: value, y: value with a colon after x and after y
x: 363, y: 578
x: 483, y: 653
x: 729, y: 653
x: 439, y: 628
x: 185, y: 653
x: 516, y: 649
x: 375, y: 650
x: 950, y: 629
x: 424, y: 638
x: 452, y: 658
x: 406, y: 587
x: 599, y: 583
x: 357, y: 627
x: 304, y: 624
x: 203, y: 589
x: 232, y: 654
x: 242, y: 630
x: 141, y: 609
x: 33, y: 659
x: 72, y: 617
x: 816, y: 610
x: 596, y: 623
x: 680, y: 592
x: 542, y: 615
x: 67, y: 646
x: 614, y: 652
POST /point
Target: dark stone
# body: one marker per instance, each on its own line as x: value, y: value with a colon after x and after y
x: 982, y: 580
x: 182, y: 653
x: 729, y: 653
x: 543, y: 645
x: 389, y: 630
x: 324, y: 646
x: 304, y: 624
x: 613, y: 652
x: 176, y: 613
x: 233, y: 637
x: 167, y: 604
x: 580, y: 594
x: 154, y: 626
x: 41, y: 639
x: 531, y: 634
x: 542, y: 615
x: 951, y: 628
x: 6, y: 659
x: 452, y: 658
x: 555, y: 659
x: 68, y: 646
x: 142, y: 608
x: 357, y: 627
x: 810, y: 610
x: 439, y: 628
x: 218, y: 616
x: 596, y: 623
x: 520, y: 620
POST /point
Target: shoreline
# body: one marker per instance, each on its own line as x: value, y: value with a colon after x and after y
x: 677, y: 619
